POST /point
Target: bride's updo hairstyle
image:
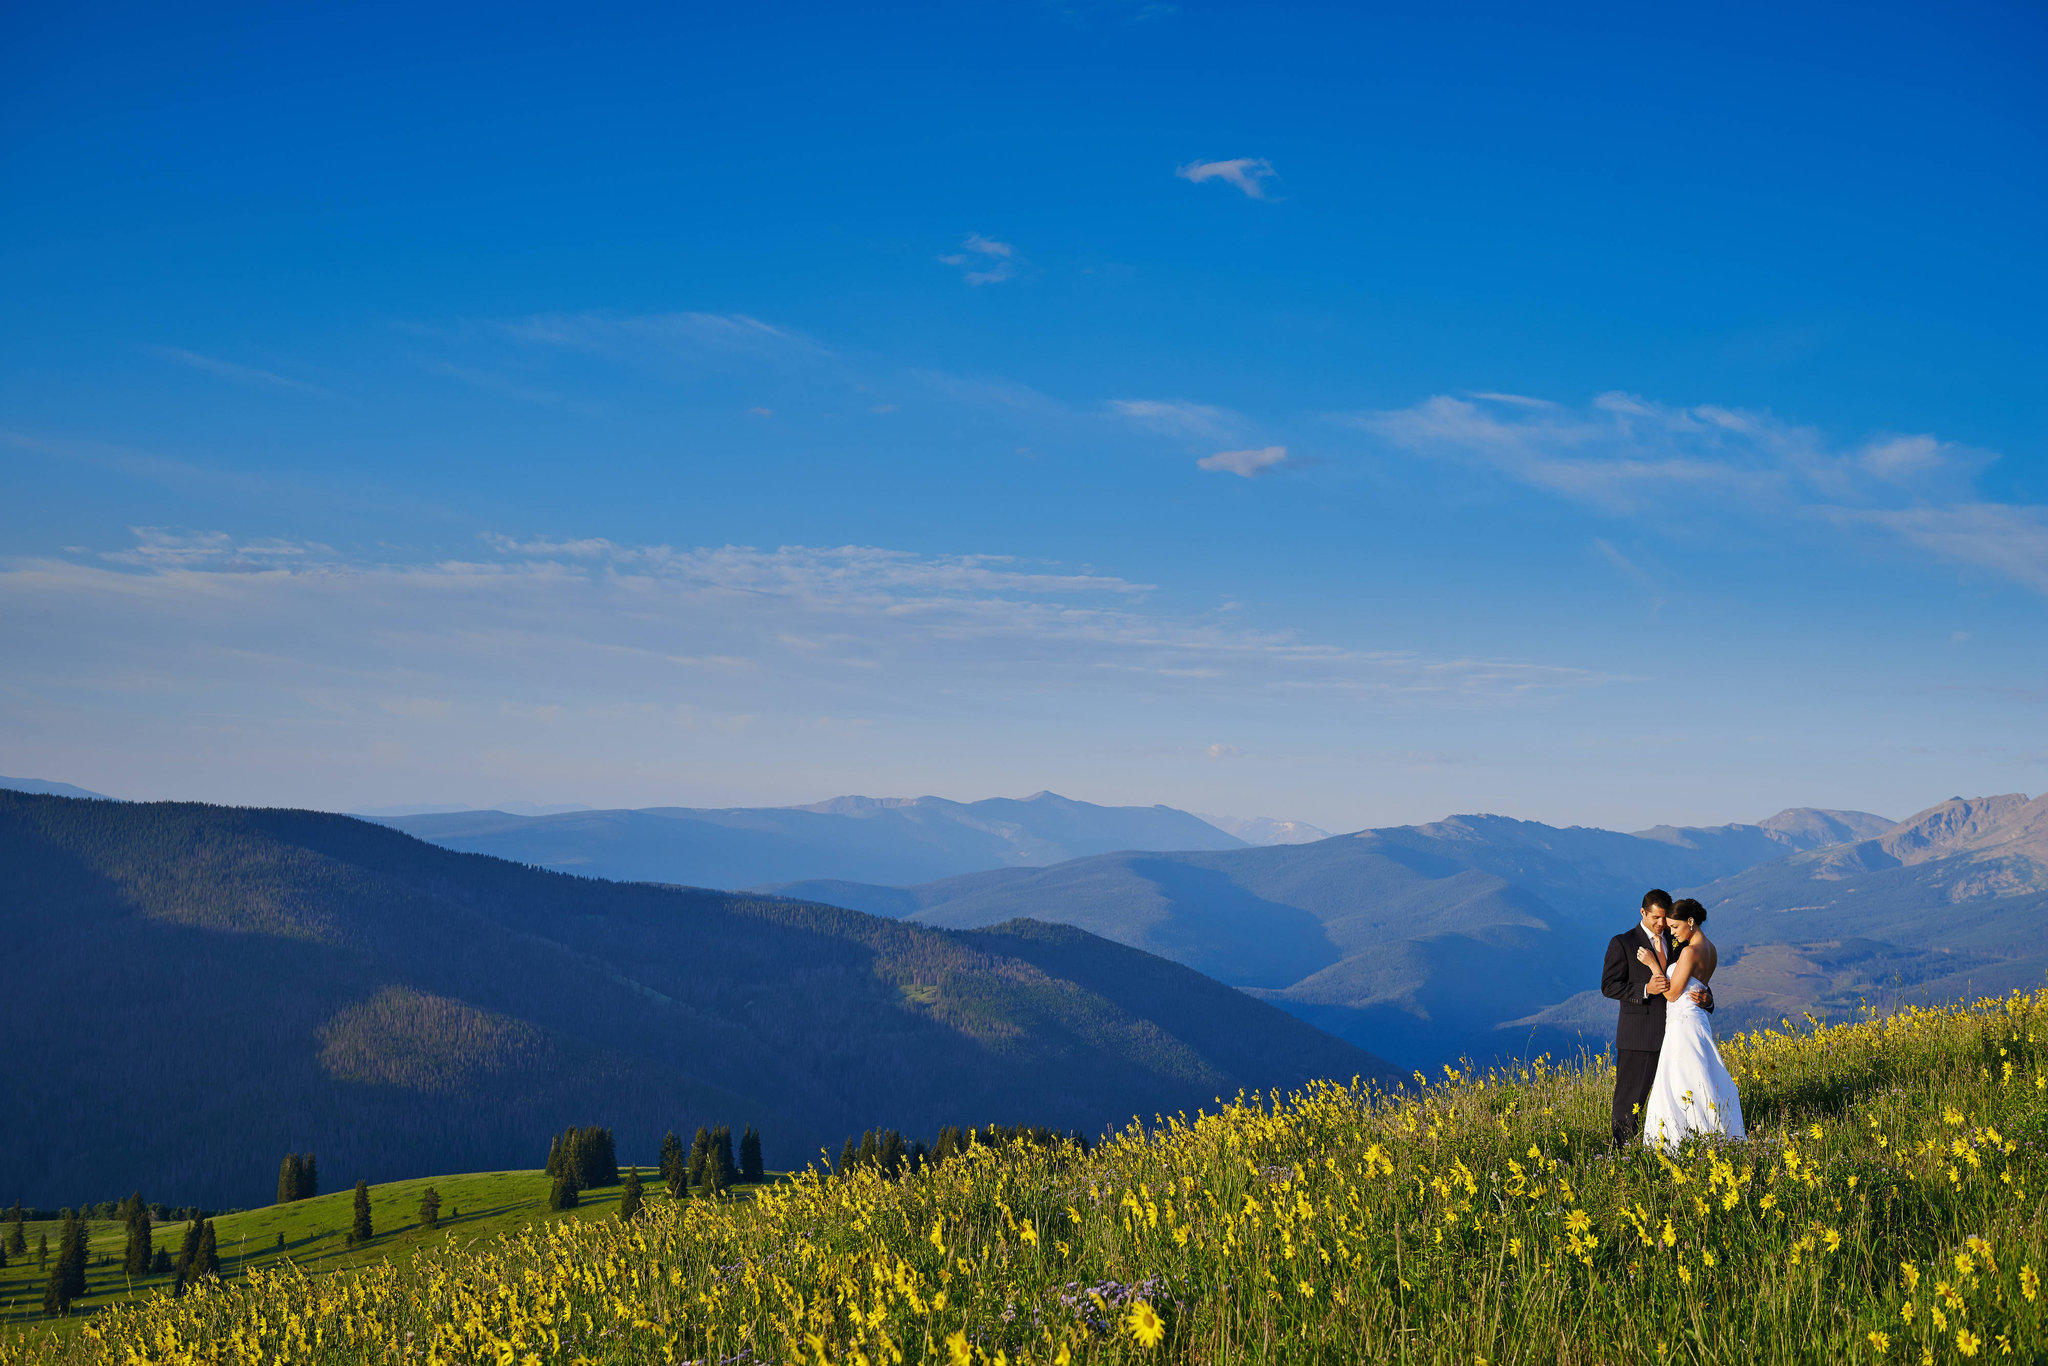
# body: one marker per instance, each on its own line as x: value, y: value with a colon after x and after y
x: 1688, y: 910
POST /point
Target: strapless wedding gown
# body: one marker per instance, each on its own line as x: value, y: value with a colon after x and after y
x: 1693, y: 1093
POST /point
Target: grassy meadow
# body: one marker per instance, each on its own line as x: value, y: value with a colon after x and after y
x: 1888, y: 1207
x: 473, y: 1205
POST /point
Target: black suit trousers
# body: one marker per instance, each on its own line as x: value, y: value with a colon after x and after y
x: 1635, y: 1072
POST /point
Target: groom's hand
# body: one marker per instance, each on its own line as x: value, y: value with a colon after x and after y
x: 1658, y: 985
x: 1702, y: 997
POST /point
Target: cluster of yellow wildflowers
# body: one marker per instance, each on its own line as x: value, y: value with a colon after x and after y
x: 1887, y: 1206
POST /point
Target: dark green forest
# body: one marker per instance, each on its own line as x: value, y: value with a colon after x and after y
x: 201, y: 988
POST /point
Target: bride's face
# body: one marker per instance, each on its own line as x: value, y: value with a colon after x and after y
x: 1683, y: 930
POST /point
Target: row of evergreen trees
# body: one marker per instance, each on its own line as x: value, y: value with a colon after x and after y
x: 198, y: 1255
x: 588, y: 1156
x: 887, y: 1151
x: 298, y: 1178
x: 580, y: 1159
x: 107, y: 1210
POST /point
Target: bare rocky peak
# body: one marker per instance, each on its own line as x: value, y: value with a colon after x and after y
x: 1962, y: 823
x: 1813, y: 827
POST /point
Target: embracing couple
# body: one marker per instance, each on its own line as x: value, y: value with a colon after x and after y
x: 1666, y: 1067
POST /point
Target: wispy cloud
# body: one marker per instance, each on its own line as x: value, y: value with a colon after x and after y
x: 1624, y: 454
x: 241, y: 374
x: 1632, y: 571
x: 684, y: 333
x: 1180, y: 418
x: 542, y: 620
x: 1249, y: 174
x: 984, y: 260
x: 2007, y: 540
x: 1249, y: 464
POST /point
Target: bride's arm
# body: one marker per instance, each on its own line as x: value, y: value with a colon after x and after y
x: 1681, y: 974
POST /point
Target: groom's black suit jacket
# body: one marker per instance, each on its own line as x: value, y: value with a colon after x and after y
x: 1626, y: 979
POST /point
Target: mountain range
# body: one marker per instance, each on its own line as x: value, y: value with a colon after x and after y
x: 1480, y: 936
x: 199, y: 989
x: 860, y: 839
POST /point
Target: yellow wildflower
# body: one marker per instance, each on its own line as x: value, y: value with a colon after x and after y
x: 1145, y: 1324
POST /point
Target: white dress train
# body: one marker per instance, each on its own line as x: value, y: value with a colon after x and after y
x: 1693, y: 1093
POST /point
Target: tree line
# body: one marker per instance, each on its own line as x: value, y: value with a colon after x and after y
x: 887, y: 1151
x: 198, y: 1253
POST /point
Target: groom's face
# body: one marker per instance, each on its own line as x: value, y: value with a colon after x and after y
x: 1653, y: 920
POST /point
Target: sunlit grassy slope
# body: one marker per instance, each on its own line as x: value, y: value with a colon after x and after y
x: 474, y: 1205
x: 1889, y: 1206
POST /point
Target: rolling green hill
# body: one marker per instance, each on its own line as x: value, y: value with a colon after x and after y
x: 474, y: 1205
x: 239, y: 983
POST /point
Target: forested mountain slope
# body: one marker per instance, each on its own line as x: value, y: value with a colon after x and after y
x: 1423, y: 940
x: 197, y: 990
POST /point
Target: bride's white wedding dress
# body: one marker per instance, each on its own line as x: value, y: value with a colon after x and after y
x: 1693, y: 1093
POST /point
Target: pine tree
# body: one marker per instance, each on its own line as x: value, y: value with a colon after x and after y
x: 554, y: 1167
x: 309, y: 1177
x: 848, y: 1155
x: 288, y: 1179
x: 430, y: 1208
x: 160, y: 1260
x: 208, y: 1261
x: 630, y: 1196
x: 675, y: 1168
x: 893, y: 1154
x: 870, y: 1149
x: 721, y: 1144
x: 135, y: 1260
x: 71, y: 1252
x: 17, y: 1237
x: 700, y: 1153
x: 55, y: 1301
x: 750, y: 1155
x: 42, y: 1252
x: 360, y: 1231
x: 563, y: 1194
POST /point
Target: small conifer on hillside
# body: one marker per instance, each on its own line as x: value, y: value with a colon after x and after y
x: 359, y: 1230
x: 675, y: 1166
x: 750, y: 1155
x: 71, y: 1255
x: 17, y: 1236
x: 430, y: 1208
x: 309, y: 1177
x: 136, y: 1258
x: 630, y: 1196
x: 207, y: 1263
x: 563, y: 1194
x: 849, y: 1154
x: 700, y: 1152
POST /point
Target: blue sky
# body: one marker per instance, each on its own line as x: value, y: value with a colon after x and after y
x: 1599, y: 414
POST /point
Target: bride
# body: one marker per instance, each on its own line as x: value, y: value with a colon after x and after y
x: 1693, y: 1093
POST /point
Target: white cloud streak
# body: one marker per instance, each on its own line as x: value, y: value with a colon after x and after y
x: 1248, y: 174
x: 984, y: 260
x: 241, y: 374
x: 1179, y: 418
x: 1623, y: 454
x: 1247, y: 464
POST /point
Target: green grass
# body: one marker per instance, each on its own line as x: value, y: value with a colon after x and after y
x: 315, y: 1236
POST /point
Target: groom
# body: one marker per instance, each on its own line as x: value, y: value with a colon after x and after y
x: 1639, y: 1036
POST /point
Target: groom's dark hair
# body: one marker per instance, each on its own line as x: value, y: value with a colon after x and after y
x: 1657, y: 897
